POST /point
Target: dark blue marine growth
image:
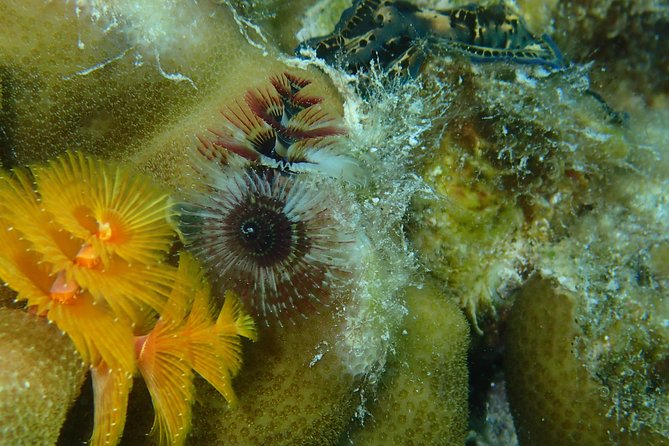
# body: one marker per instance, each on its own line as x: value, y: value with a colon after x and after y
x: 397, y: 34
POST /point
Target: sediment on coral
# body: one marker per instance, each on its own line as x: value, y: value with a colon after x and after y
x: 554, y: 396
x: 620, y: 314
x: 521, y: 151
x: 422, y: 396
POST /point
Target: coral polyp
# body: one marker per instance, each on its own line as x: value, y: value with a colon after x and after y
x: 84, y: 245
x: 271, y: 237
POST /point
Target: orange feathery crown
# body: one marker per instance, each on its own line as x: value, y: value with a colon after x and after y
x: 84, y: 245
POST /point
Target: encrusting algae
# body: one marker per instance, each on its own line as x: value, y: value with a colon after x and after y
x: 85, y: 246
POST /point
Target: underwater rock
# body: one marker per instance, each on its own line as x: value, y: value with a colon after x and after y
x: 422, y: 397
x: 520, y: 152
x: 40, y: 377
x: 624, y: 40
x: 494, y: 426
x: 470, y: 239
x: 554, y: 399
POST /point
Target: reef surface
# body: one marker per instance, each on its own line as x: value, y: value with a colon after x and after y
x: 431, y: 222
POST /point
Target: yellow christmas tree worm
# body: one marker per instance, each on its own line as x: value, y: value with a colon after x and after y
x: 187, y: 338
x: 84, y: 246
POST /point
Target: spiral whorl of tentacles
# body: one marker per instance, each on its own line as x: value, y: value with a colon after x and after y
x: 281, y: 127
x: 268, y: 224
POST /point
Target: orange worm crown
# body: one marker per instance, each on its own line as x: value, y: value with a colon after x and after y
x: 84, y: 244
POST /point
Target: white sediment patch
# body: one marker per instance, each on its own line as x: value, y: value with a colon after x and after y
x: 153, y: 31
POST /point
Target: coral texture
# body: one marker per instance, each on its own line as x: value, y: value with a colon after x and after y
x: 422, y: 399
x: 81, y: 81
x: 520, y: 162
x: 296, y: 390
x: 40, y: 376
x: 554, y: 399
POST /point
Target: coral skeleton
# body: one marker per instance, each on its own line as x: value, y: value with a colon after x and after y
x: 84, y: 246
